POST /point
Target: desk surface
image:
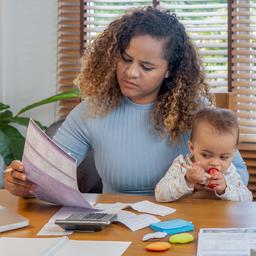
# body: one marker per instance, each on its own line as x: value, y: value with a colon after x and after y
x: 202, y: 212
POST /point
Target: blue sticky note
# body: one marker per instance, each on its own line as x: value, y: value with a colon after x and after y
x: 173, y: 226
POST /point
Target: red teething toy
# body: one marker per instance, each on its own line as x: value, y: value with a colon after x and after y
x: 212, y: 171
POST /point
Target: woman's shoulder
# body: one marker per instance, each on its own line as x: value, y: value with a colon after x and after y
x: 82, y: 106
x: 79, y: 109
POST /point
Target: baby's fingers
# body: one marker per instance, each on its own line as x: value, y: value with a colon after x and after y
x: 186, y: 166
x: 207, y: 175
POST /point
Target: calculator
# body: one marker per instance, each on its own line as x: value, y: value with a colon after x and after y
x: 86, y: 221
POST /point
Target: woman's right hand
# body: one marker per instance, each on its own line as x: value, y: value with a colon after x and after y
x: 15, y: 180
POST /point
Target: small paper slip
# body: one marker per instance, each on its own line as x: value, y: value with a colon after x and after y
x: 173, y: 226
x: 134, y: 221
x: 151, y: 208
x: 52, y: 169
x: 142, y: 206
x: 60, y: 247
x: 112, y: 208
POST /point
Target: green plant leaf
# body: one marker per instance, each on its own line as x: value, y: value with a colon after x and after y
x: 5, y: 149
x: 15, y: 141
x: 3, y: 106
x: 5, y: 117
x: 24, y: 121
x: 74, y: 93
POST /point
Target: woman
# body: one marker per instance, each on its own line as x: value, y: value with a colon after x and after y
x: 142, y: 83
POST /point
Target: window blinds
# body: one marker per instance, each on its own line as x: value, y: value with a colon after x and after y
x: 243, y: 76
x: 244, y: 67
x: 99, y: 13
x: 69, y: 50
x: 205, y: 21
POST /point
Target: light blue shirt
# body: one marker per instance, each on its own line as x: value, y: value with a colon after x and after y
x: 130, y: 155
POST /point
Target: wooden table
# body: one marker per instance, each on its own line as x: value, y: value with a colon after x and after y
x: 202, y: 212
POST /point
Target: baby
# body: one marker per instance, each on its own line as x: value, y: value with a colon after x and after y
x: 214, y: 140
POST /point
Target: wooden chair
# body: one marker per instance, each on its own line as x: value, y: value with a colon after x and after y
x: 224, y: 100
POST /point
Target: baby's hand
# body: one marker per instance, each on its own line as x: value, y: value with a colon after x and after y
x: 218, y: 182
x: 195, y: 174
x: 212, y: 171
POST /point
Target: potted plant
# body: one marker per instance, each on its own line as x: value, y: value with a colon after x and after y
x: 11, y: 140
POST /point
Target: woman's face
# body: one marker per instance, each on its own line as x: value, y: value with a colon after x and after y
x: 141, y: 69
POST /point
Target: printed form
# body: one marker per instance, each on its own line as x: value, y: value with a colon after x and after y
x: 52, y: 169
x: 226, y: 241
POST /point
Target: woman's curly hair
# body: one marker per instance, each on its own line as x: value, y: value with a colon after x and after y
x: 181, y: 94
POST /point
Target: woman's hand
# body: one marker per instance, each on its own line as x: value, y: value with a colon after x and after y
x: 15, y: 180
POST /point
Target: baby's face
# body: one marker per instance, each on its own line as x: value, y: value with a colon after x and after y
x: 212, y: 149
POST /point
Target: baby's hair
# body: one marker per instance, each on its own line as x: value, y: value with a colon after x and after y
x: 222, y: 120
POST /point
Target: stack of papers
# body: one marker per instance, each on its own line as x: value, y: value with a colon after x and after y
x: 173, y: 226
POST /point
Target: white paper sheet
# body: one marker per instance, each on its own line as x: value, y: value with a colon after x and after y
x: 28, y: 246
x: 93, y: 248
x: 112, y: 208
x: 135, y: 222
x: 152, y: 208
x: 52, y: 169
x: 132, y: 220
x: 226, y: 241
x: 141, y: 206
x: 60, y: 247
x: 52, y: 229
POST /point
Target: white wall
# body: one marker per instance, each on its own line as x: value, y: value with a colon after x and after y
x: 1, y: 49
x: 28, y: 55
